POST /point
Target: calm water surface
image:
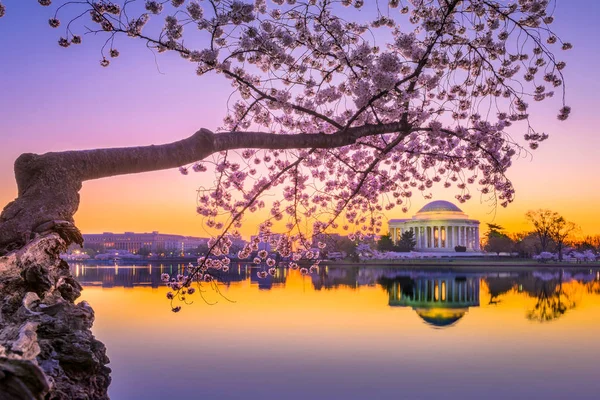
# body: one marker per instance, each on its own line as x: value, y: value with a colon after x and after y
x: 352, y: 333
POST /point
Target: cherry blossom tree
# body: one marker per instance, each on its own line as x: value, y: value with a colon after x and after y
x: 344, y: 109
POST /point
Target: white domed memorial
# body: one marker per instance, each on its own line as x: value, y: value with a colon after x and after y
x: 439, y: 226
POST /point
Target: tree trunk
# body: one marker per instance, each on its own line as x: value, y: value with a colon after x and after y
x: 560, y: 256
x: 47, y: 349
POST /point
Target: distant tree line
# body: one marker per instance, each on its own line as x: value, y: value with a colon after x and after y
x: 550, y: 232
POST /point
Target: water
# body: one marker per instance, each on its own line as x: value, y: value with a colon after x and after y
x: 352, y: 333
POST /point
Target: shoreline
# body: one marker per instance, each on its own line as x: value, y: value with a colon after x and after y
x: 457, y: 265
x: 471, y: 265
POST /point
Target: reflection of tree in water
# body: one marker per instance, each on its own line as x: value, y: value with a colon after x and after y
x: 555, y: 292
x: 499, y: 286
x: 594, y: 286
x: 407, y: 285
x: 553, y: 300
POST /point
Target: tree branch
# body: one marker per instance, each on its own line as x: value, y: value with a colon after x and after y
x: 49, y: 184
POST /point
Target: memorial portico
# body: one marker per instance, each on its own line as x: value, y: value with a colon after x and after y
x: 439, y: 226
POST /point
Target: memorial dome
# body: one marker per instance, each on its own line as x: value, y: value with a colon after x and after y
x: 439, y: 206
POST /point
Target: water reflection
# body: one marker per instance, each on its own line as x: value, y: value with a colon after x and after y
x: 439, y: 298
x: 555, y: 292
x: 149, y: 275
x: 352, y: 333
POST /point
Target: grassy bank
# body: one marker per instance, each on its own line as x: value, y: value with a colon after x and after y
x: 506, y: 265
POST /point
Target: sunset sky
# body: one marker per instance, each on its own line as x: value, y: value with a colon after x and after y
x: 54, y: 99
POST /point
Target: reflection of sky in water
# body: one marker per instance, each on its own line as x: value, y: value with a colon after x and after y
x: 352, y: 334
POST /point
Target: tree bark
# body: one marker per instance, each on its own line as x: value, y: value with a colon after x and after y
x: 47, y: 349
x: 49, y: 184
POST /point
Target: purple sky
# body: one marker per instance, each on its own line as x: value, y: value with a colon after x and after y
x: 54, y: 99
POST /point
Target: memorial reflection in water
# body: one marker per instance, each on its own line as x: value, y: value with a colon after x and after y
x: 440, y: 300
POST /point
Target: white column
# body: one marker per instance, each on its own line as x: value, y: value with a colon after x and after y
x: 416, y: 237
x: 414, y: 229
x: 477, y: 237
x: 430, y: 235
x: 458, y: 231
x: 439, y: 239
x: 393, y: 235
x: 469, y: 237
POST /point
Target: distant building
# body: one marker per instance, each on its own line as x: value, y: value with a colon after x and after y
x: 439, y: 226
x: 155, y: 242
x: 267, y: 242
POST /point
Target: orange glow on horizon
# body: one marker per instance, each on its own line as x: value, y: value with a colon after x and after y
x: 144, y: 203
